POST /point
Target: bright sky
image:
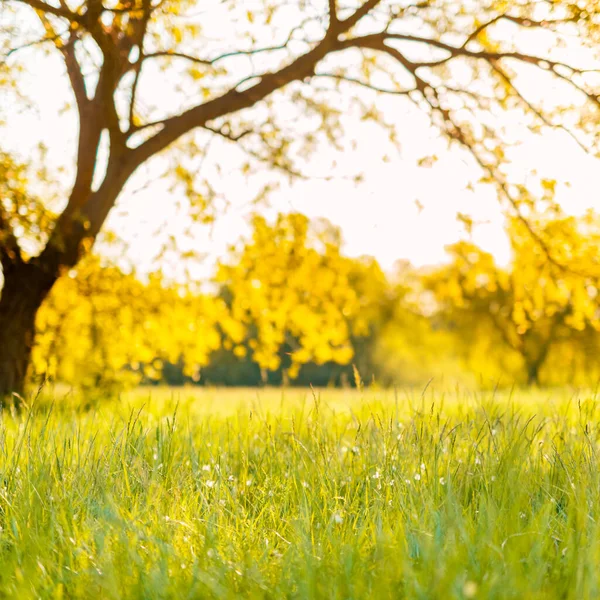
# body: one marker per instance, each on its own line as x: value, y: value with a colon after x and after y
x: 379, y: 216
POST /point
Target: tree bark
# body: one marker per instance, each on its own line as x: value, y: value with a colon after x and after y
x: 24, y: 289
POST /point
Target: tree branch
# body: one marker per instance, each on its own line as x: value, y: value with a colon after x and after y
x: 213, y: 61
x: 261, y: 50
x: 333, y: 18
x: 231, y: 101
x: 234, y: 100
x: 377, y: 41
x: 364, y: 84
x: 90, y: 127
x: 95, y: 115
x: 139, y: 41
x: 452, y: 129
x: 51, y: 38
x: 521, y: 21
x: 76, y: 77
x: 171, y: 54
x: 53, y: 10
x: 354, y: 18
x: 537, y: 112
x: 227, y: 134
x: 10, y: 251
x: 482, y: 28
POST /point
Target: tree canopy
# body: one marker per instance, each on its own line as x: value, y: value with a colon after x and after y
x: 533, y: 306
x: 267, y: 77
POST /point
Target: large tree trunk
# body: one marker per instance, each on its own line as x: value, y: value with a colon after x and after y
x: 25, y: 287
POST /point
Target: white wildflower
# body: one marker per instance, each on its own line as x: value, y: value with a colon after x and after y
x: 470, y: 589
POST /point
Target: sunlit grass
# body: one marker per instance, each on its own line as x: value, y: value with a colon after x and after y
x: 332, y: 494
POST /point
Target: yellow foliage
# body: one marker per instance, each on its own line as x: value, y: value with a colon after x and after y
x: 288, y: 292
x: 290, y: 285
x: 546, y: 296
x: 99, y: 320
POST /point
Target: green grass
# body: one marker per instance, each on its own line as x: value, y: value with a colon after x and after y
x: 231, y: 494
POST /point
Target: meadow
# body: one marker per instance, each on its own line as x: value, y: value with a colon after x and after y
x: 302, y: 494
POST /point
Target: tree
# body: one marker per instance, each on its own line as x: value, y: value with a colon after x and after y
x: 287, y: 297
x: 100, y: 327
x: 290, y: 289
x: 530, y: 307
x: 458, y: 61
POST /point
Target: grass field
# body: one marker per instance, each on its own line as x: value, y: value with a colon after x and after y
x: 296, y: 494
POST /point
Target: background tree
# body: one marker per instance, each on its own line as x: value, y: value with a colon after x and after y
x: 531, y: 307
x: 268, y: 80
x: 287, y: 300
x: 102, y: 328
x: 289, y: 289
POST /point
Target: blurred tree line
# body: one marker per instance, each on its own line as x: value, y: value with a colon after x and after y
x: 288, y: 307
